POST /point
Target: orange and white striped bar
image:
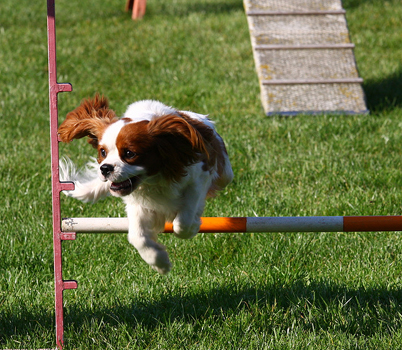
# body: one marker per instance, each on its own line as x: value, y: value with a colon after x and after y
x: 251, y: 224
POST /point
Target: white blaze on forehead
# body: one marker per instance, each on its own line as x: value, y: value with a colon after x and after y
x: 109, y: 139
x: 149, y: 109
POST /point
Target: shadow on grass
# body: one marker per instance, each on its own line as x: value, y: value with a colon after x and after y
x: 312, y: 307
x: 384, y: 95
x: 23, y: 323
x: 323, y: 306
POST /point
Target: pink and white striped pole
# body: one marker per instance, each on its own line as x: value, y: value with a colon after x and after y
x: 57, y: 186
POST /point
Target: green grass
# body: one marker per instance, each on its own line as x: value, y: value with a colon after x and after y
x: 226, y: 291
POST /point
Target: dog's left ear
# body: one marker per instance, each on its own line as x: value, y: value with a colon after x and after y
x: 181, y: 141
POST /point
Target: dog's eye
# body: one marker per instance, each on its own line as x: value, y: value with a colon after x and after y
x: 129, y: 154
x: 103, y: 153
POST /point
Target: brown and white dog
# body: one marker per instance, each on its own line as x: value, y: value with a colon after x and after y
x: 161, y: 161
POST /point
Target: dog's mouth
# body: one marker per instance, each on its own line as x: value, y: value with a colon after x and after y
x: 125, y: 187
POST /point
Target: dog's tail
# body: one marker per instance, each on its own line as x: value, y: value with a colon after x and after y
x: 88, y: 186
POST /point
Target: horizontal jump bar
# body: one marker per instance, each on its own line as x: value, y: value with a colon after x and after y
x: 251, y: 224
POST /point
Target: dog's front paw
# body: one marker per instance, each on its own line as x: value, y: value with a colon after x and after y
x: 186, y: 230
x: 158, y: 259
x: 160, y: 262
x: 153, y: 253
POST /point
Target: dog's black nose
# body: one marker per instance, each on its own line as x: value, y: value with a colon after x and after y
x: 106, y: 169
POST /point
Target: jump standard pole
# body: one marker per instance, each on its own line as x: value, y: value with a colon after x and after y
x: 57, y: 186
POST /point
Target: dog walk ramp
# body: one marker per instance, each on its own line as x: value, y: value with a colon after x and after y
x: 304, y: 57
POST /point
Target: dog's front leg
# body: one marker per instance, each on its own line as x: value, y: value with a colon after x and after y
x: 144, y: 226
x: 188, y: 219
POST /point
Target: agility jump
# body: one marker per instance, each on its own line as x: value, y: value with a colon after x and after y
x: 66, y: 229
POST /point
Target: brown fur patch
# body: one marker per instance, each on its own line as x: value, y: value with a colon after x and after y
x: 181, y: 141
x: 135, y: 137
x: 215, y: 148
x: 215, y: 153
x: 90, y: 118
x: 169, y: 144
x: 100, y: 156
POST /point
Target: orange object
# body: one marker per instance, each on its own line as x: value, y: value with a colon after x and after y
x: 218, y: 224
x: 138, y: 8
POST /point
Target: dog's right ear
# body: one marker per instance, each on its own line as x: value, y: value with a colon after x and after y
x: 90, y: 119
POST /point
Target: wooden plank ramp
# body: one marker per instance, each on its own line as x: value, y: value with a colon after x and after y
x: 304, y: 58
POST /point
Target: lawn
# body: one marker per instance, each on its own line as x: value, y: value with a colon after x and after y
x: 226, y: 291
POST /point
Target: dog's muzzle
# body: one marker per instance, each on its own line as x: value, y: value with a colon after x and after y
x: 106, y: 169
x: 124, y: 188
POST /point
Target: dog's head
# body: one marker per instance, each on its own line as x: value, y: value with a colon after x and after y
x: 162, y: 142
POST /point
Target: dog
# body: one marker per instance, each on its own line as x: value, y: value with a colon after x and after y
x: 162, y: 162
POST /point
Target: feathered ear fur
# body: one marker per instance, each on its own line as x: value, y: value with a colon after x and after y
x: 90, y: 119
x: 181, y: 141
